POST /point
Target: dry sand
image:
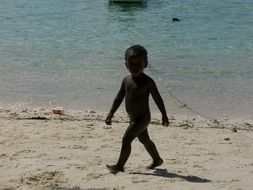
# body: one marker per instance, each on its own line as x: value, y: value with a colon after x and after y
x: 39, y: 150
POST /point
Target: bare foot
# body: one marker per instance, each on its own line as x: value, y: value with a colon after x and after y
x: 155, y: 164
x: 114, y: 169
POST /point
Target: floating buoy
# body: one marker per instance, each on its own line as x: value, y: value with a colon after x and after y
x: 126, y: 1
x: 175, y: 19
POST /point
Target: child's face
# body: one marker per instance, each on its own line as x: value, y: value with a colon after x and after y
x: 135, y: 65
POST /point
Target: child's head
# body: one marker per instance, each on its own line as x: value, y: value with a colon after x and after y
x: 137, y: 51
x: 136, y: 58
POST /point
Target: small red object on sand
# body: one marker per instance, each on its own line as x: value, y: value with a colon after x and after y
x: 58, y: 110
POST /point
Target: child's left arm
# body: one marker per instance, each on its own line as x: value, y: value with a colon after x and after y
x: 159, y: 102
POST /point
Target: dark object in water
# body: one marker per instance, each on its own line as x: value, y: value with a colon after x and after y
x: 175, y: 19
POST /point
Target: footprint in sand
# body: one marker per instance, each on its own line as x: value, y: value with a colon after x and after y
x: 44, y: 179
x: 90, y: 125
x: 7, y: 188
x: 25, y: 151
x: 90, y: 137
x: 3, y: 155
x: 94, y: 176
x: 107, y: 127
x: 81, y: 167
x: 139, y: 181
x: 63, y: 158
x: 75, y: 137
x: 197, y: 166
x: 42, y: 155
x: 80, y: 147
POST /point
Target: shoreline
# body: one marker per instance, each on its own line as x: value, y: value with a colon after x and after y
x: 183, y: 119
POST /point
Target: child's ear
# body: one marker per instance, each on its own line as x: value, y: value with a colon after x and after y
x: 126, y: 65
x: 146, y: 64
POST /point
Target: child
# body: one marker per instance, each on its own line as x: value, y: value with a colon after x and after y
x: 136, y: 88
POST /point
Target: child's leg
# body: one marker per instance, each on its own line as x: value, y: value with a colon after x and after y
x: 151, y: 148
x: 133, y: 130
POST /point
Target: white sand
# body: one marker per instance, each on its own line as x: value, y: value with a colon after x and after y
x: 39, y: 150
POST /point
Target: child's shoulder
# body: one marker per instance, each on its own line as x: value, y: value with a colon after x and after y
x: 150, y: 82
x: 149, y: 79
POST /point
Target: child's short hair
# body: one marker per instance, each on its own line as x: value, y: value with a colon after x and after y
x: 137, y: 51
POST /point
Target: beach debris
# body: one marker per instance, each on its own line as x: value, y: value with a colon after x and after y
x: 186, y: 125
x: 249, y: 125
x: 90, y: 124
x: 58, y: 110
x: 216, y: 121
x: 24, y: 111
x: 155, y: 122
x: 175, y: 19
x: 227, y: 139
x: 37, y: 118
x: 234, y: 129
x: 80, y: 147
x: 172, y: 118
x: 13, y: 115
x: 182, y: 105
x: 3, y: 155
x: 107, y: 127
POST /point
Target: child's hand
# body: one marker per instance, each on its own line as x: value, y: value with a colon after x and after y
x: 165, y: 121
x: 108, y: 119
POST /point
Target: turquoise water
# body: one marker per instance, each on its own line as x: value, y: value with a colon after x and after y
x: 70, y: 53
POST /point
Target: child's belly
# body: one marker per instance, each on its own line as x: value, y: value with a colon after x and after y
x: 137, y: 107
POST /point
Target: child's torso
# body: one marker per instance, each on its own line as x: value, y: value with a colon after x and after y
x: 137, y: 96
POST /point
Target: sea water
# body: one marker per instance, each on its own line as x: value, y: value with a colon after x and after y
x: 70, y: 53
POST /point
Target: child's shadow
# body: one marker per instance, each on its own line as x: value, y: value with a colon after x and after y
x: 166, y: 174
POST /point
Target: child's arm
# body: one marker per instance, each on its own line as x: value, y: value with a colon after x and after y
x: 116, y: 103
x: 159, y: 102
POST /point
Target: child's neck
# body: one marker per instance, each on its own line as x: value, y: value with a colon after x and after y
x: 136, y: 78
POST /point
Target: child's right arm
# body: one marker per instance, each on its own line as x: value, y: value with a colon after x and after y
x: 116, y: 103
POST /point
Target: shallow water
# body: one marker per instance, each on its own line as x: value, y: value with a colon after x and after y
x: 70, y: 53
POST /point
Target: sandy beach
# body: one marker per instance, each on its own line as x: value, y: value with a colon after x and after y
x: 40, y: 150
